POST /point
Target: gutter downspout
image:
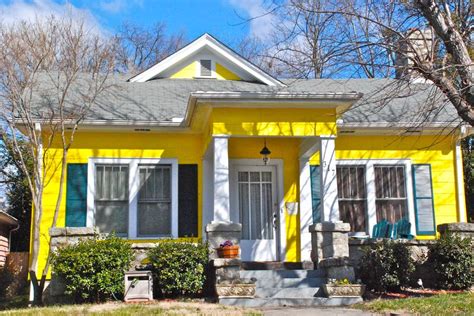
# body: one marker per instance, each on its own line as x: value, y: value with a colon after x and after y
x: 461, y: 197
x: 10, y: 236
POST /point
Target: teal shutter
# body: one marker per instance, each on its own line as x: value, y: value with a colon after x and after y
x: 316, y: 192
x: 76, y: 195
x: 423, y: 195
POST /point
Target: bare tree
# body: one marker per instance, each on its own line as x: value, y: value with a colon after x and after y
x: 305, y: 43
x: 141, y: 48
x: 432, y: 38
x: 51, y: 72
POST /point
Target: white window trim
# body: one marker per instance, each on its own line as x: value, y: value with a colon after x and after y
x: 198, y: 68
x: 370, y: 186
x: 133, y: 191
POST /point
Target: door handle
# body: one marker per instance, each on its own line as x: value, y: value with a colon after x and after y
x: 275, y: 220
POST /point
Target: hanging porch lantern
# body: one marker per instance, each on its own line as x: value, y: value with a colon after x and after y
x: 265, y: 152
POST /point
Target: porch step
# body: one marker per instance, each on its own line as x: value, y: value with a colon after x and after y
x: 278, y: 292
x: 279, y: 274
x: 296, y: 283
x: 290, y: 301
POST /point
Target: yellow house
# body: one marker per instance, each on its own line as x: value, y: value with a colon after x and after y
x: 181, y: 145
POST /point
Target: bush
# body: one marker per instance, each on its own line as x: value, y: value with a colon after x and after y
x: 386, y: 266
x: 93, y: 269
x: 180, y: 267
x: 451, y: 259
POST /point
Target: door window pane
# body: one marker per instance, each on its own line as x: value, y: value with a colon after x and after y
x: 352, y: 196
x: 256, y: 204
x: 390, y: 193
x: 111, y: 199
x: 154, y: 200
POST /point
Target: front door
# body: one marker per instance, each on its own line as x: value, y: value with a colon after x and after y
x: 255, y: 203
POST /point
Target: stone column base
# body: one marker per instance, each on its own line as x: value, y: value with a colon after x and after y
x: 329, y: 240
x: 219, y: 232
x: 338, y: 269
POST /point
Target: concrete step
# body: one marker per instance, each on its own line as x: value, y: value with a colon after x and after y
x: 277, y: 292
x: 275, y: 302
x: 298, y: 283
x: 274, y: 274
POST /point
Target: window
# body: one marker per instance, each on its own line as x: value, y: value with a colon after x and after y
x: 135, y: 198
x: 154, y: 201
x: 352, y: 196
x: 390, y: 192
x: 206, y: 68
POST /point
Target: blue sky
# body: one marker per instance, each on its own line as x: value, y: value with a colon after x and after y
x: 222, y: 18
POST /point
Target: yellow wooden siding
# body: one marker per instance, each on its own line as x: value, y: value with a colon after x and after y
x: 273, y: 122
x: 187, y: 72
x: 190, y: 71
x: 223, y: 73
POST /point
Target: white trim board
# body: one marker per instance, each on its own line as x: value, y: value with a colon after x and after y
x: 278, y: 163
x: 217, y: 48
x: 133, y: 191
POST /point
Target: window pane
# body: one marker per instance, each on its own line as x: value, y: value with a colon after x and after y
x: 267, y: 211
x: 154, y: 219
x: 352, y: 196
x: 112, y: 217
x: 154, y: 200
x: 390, y: 210
x: 255, y: 212
x: 243, y: 176
x: 353, y: 212
x: 244, y: 208
x: 266, y: 176
x: 111, y: 199
x: 390, y: 187
x: 255, y: 176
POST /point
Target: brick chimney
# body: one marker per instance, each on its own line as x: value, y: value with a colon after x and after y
x: 421, y: 44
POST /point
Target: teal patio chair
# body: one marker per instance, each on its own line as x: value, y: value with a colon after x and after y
x: 382, y: 229
x: 401, y: 230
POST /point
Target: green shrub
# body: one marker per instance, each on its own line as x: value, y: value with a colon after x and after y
x: 451, y: 259
x: 179, y: 267
x: 386, y: 266
x: 93, y: 269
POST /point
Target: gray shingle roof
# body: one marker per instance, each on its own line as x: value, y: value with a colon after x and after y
x: 384, y: 100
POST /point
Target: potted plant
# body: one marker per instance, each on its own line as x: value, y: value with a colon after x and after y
x: 228, y: 250
x: 344, y: 287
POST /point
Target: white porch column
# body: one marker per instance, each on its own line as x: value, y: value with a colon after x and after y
x: 221, y: 180
x: 306, y: 209
x: 308, y: 147
x: 329, y: 202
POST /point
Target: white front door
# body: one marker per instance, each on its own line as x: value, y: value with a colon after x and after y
x: 255, y: 204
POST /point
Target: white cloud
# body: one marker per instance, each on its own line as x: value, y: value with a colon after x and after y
x: 261, y: 20
x: 19, y: 10
x: 116, y: 6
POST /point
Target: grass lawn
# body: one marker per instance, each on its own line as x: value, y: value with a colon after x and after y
x: 155, y: 308
x: 442, y: 304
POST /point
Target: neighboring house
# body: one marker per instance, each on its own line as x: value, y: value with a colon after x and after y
x: 177, y: 147
x: 7, y: 224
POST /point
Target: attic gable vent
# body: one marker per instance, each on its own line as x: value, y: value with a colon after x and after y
x: 206, y: 68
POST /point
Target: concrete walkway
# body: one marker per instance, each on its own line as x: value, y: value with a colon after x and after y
x: 285, y: 311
